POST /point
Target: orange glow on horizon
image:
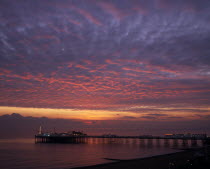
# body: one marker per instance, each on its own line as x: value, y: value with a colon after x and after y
x: 123, y: 114
x: 66, y: 113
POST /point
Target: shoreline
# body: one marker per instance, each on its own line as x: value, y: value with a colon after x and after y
x: 164, y: 161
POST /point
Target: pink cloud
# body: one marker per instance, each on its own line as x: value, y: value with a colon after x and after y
x: 110, y: 8
x: 81, y: 66
x: 109, y: 61
x: 74, y: 21
x: 138, y: 70
x: 88, y: 16
x: 141, y: 10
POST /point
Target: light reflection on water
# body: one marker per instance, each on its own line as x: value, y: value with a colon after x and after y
x: 25, y: 154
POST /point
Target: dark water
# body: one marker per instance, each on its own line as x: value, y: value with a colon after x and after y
x: 25, y: 154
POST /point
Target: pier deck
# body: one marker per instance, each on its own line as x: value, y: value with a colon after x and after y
x: 82, y: 139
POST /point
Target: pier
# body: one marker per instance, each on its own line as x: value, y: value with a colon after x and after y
x: 47, y: 138
x: 59, y: 139
x: 80, y: 137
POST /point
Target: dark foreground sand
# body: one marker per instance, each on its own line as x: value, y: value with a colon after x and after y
x: 187, y: 159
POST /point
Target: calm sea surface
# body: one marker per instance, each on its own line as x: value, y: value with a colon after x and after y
x: 25, y: 154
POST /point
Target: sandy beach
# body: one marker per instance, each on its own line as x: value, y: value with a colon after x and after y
x: 191, y: 158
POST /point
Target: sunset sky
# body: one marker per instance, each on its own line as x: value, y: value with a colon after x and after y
x: 134, y: 60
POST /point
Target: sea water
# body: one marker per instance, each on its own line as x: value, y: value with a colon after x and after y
x: 25, y: 154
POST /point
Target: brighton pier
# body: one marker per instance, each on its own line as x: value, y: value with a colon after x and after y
x: 80, y: 137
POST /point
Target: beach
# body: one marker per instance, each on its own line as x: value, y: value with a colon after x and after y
x: 190, y: 158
